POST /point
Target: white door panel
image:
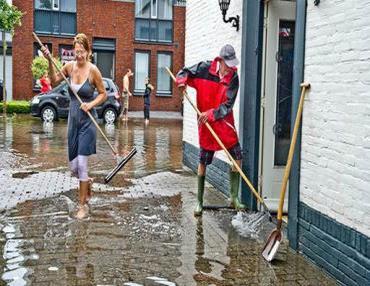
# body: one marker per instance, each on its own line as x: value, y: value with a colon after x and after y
x: 276, y: 94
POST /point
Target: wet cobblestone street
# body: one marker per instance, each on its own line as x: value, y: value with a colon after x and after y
x: 140, y: 229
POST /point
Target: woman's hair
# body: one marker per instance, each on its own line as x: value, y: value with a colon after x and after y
x: 81, y: 39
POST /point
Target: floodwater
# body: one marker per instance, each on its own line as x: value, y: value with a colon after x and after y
x: 140, y: 231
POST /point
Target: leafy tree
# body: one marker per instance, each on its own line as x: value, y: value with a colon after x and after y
x: 10, y: 17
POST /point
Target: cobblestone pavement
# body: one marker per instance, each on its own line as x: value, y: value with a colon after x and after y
x: 144, y: 234
x: 140, y: 229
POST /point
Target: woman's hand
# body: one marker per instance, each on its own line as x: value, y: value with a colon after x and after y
x: 45, y: 52
x: 86, y: 106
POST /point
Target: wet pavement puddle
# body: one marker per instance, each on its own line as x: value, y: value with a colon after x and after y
x: 140, y: 229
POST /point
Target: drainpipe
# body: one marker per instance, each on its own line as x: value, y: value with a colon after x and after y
x: 298, y: 77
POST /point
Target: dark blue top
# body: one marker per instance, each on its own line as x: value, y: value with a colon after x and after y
x: 147, y: 95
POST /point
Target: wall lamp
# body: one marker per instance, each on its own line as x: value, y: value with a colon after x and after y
x: 316, y: 2
x: 224, y: 6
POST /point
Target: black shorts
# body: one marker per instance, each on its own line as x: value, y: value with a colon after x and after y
x: 206, y: 156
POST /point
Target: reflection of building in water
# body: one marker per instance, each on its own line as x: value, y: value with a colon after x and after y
x: 175, y: 145
x: 16, y: 253
x: 8, y: 135
x: 162, y: 140
x: 149, y: 150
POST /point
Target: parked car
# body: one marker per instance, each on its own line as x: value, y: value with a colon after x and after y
x: 54, y: 104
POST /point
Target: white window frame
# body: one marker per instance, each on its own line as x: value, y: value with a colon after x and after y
x: 55, y: 5
x: 164, y: 92
x: 136, y: 84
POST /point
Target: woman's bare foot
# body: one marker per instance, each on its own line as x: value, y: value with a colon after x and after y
x: 82, y: 212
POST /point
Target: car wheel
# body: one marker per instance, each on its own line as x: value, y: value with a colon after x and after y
x: 109, y: 115
x: 48, y: 114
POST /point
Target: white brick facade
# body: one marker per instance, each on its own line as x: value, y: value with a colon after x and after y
x: 335, y: 166
x: 206, y: 33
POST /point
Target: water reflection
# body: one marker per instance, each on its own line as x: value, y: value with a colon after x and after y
x: 159, y: 144
x: 14, y: 255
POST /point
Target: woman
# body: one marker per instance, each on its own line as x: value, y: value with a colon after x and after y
x: 84, y: 77
x: 148, y: 89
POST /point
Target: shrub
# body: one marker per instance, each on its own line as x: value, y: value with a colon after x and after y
x: 18, y: 106
x: 40, y: 66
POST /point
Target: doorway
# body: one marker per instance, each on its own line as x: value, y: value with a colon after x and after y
x: 276, y: 98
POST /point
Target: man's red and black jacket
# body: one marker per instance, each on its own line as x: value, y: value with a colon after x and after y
x: 215, y: 96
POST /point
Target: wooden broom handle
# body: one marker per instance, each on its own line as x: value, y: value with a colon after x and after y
x: 291, y: 151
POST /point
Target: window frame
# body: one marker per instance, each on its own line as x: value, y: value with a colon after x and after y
x: 151, y: 20
x: 57, y: 13
x: 163, y: 93
x: 137, y: 92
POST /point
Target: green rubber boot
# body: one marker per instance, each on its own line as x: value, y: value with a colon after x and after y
x: 199, y: 208
x: 234, y: 191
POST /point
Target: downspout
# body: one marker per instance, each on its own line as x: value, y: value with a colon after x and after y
x: 298, y: 77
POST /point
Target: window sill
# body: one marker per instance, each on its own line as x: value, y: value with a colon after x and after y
x: 154, y: 43
x: 163, y: 94
x: 46, y: 34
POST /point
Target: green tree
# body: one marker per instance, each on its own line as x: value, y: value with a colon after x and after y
x: 10, y: 18
x: 40, y: 66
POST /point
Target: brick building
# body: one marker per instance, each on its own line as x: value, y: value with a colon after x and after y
x: 144, y: 35
x: 280, y: 44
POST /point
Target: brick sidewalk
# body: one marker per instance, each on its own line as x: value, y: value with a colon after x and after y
x: 144, y: 234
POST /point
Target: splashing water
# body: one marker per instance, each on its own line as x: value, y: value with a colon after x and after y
x: 249, y: 224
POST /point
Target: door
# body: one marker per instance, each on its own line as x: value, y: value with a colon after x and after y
x: 276, y: 98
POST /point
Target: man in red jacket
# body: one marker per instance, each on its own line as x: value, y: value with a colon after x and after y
x: 217, y: 85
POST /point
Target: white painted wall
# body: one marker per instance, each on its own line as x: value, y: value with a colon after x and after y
x: 335, y: 167
x: 205, y: 34
x: 9, y: 76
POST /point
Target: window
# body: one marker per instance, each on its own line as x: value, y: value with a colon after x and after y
x: 66, y: 53
x: 57, y: 17
x: 153, y: 20
x: 164, y: 86
x: 104, y: 51
x: 141, y: 70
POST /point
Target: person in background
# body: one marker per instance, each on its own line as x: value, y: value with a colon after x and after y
x: 148, y: 90
x: 126, y: 93
x: 45, y: 83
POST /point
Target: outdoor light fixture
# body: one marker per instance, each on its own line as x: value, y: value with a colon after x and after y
x: 224, y: 5
x: 316, y: 2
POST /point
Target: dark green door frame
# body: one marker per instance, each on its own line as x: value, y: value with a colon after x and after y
x: 250, y: 89
x: 298, y: 77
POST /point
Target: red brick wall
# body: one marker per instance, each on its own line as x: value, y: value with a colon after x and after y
x: 102, y: 19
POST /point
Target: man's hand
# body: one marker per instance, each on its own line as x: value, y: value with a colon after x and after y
x: 206, y: 116
x: 182, y: 88
x: 203, y: 118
